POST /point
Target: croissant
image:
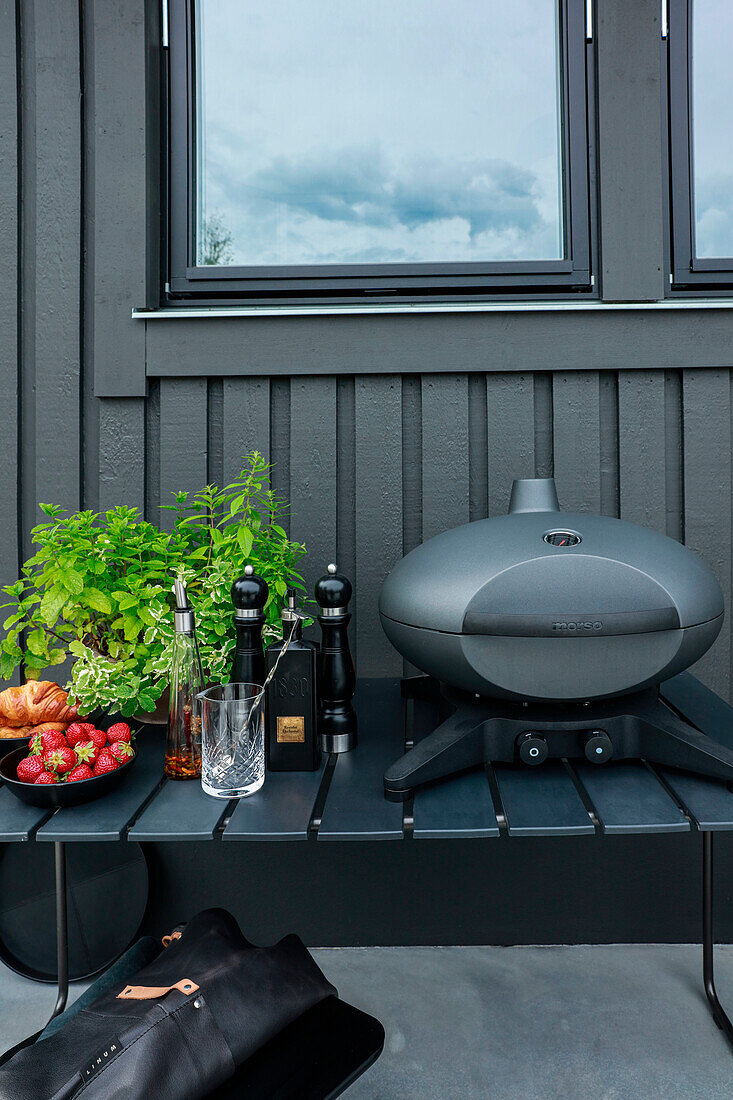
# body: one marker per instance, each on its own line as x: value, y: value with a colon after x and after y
x: 7, y: 732
x: 35, y: 702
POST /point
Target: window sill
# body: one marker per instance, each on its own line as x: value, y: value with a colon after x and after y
x: 189, y: 313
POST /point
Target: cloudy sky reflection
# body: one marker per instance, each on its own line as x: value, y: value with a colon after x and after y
x: 712, y: 95
x: 367, y: 131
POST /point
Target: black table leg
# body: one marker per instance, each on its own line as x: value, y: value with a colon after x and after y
x: 62, y: 948
x: 719, y: 1014
x: 62, y: 930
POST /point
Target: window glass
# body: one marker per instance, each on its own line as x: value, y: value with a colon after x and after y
x: 712, y: 128
x: 380, y: 132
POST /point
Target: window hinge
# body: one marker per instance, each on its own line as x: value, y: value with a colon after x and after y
x: 164, y: 23
x: 665, y: 18
x: 592, y: 280
x: 589, y: 20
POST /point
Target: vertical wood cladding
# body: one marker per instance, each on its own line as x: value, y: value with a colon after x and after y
x: 372, y: 463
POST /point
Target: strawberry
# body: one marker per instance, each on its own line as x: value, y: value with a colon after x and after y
x: 120, y: 731
x: 105, y: 763
x: 30, y: 768
x: 47, y: 741
x: 99, y: 737
x: 47, y: 777
x: 86, y: 753
x: 78, y: 731
x: 81, y: 771
x: 122, y: 751
x: 60, y: 760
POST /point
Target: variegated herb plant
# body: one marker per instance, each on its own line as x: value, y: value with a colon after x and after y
x: 99, y: 589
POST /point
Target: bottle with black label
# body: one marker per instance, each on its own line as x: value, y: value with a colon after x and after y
x: 292, y: 734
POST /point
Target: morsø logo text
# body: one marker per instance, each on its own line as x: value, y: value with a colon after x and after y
x: 587, y: 626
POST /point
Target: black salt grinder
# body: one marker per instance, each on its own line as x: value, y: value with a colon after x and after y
x: 336, y: 674
x: 249, y: 596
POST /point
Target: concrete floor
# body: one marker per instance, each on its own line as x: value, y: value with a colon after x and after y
x: 525, y: 1023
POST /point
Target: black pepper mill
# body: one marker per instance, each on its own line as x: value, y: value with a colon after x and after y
x: 336, y: 674
x: 249, y: 596
x: 291, y: 712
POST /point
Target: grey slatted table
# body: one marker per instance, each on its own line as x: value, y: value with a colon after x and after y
x: 344, y: 800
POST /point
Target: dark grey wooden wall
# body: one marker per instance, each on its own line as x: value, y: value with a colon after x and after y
x: 383, y: 430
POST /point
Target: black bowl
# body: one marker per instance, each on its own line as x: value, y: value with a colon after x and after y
x: 49, y: 796
x: 9, y: 744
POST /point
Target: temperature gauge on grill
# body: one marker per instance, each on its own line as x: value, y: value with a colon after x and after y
x: 562, y: 538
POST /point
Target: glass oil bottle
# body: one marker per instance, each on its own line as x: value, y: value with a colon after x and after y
x: 183, y: 748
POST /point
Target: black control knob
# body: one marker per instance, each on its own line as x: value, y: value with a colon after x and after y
x: 598, y: 747
x: 532, y: 748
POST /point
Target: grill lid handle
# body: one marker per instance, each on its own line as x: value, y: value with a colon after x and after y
x: 534, y: 494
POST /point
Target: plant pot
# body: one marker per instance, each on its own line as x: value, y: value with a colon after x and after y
x: 159, y: 716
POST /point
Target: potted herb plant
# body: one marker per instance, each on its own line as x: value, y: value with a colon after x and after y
x: 98, y: 589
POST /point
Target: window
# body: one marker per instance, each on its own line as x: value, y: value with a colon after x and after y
x: 701, y: 142
x: 337, y: 148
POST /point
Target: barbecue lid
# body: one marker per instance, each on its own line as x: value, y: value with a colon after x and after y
x: 548, y: 573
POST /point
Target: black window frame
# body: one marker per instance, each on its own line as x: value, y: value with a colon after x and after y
x: 357, y: 283
x: 689, y: 272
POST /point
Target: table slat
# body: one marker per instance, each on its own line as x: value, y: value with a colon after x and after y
x: 628, y: 798
x: 18, y: 821
x: 281, y: 810
x: 542, y: 801
x: 108, y: 817
x: 356, y: 808
x: 708, y: 801
x: 179, y: 811
x: 456, y: 808
x: 701, y: 706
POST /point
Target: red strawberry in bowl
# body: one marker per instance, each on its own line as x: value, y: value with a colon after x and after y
x: 99, y: 737
x: 30, y: 768
x: 78, y: 731
x: 120, y: 731
x: 46, y: 741
x: 81, y: 771
x: 105, y: 763
x: 47, y: 777
x: 86, y: 753
x: 122, y: 751
x: 60, y: 760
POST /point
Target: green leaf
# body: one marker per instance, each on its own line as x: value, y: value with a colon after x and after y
x: 132, y: 628
x: 52, y: 603
x: 97, y: 600
x: 127, y: 602
x: 73, y: 580
x: 12, y: 620
x: 36, y: 643
x: 245, y: 538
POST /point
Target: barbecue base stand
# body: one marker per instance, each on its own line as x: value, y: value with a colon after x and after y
x: 478, y: 730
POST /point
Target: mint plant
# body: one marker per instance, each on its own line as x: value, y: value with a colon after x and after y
x: 99, y: 588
